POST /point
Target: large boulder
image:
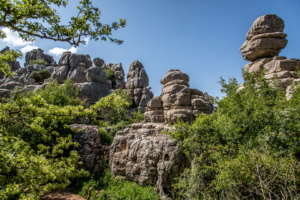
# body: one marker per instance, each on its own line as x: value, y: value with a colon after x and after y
x: 60, y: 73
x: 265, y: 38
x: 92, y: 91
x: 137, y: 76
x: 92, y: 153
x: 142, y: 154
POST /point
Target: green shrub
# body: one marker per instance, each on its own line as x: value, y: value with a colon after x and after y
x: 106, y: 186
x: 110, y: 75
x: 40, y: 76
x: 39, y: 62
x: 247, y: 149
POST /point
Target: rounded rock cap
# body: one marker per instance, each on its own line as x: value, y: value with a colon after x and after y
x: 174, y: 74
x: 98, y: 61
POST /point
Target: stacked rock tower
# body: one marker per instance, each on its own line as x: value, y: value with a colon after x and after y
x: 142, y: 152
x: 264, y: 41
x: 177, y: 100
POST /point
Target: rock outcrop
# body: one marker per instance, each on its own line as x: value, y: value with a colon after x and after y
x: 142, y: 152
x: 96, y: 88
x: 39, y: 54
x: 264, y: 41
x: 119, y: 76
x: 137, y: 84
x: 73, y: 66
x: 90, y: 149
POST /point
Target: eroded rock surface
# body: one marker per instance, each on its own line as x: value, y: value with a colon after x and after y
x: 90, y: 150
x: 39, y: 54
x: 264, y: 41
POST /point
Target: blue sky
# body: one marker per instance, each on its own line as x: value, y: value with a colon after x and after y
x: 200, y: 37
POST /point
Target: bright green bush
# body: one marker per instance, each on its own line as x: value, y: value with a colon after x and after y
x: 39, y: 62
x: 40, y: 76
x: 247, y: 149
x: 110, y: 75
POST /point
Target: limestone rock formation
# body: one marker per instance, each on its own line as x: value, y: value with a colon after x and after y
x: 90, y: 150
x: 265, y: 38
x: 73, y: 66
x: 264, y: 41
x: 137, y: 82
x: 39, y: 54
x: 142, y: 152
x: 119, y: 75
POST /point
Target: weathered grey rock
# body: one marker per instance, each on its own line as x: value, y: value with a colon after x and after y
x: 4, y: 93
x: 174, y: 74
x: 60, y: 74
x: 137, y: 76
x: 76, y: 59
x: 92, y: 153
x: 10, y: 85
x: 142, y: 154
x: 96, y: 74
x: 98, y: 61
x: 78, y: 75
x: 39, y: 54
x: 64, y: 59
x: 92, y: 91
x: 265, y: 38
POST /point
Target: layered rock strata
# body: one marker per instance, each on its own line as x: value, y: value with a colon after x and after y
x: 73, y: 66
x: 264, y: 41
x: 96, y: 87
x: 137, y: 84
x: 39, y: 54
x: 90, y: 149
x: 142, y: 152
x: 119, y: 76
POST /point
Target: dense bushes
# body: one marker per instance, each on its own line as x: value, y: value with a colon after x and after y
x: 249, y: 148
x: 39, y: 62
x: 40, y: 76
x: 110, y: 75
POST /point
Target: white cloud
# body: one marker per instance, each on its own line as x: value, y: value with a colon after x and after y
x: 28, y: 48
x: 86, y: 40
x: 13, y: 38
x: 59, y: 51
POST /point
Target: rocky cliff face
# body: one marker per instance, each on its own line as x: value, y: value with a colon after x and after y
x: 39, y: 54
x: 142, y: 152
x: 264, y: 41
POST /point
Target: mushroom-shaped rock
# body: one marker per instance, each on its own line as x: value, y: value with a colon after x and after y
x: 174, y: 74
x: 137, y: 76
x: 265, y: 38
x: 98, y: 61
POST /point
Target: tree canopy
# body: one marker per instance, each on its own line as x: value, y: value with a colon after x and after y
x: 38, y: 18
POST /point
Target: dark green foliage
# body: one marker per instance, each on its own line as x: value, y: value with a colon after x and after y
x: 40, y: 76
x: 110, y: 75
x: 249, y: 148
x: 39, y: 62
x: 106, y: 186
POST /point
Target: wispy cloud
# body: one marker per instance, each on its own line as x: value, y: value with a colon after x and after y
x: 13, y: 39
x: 28, y: 48
x: 59, y: 51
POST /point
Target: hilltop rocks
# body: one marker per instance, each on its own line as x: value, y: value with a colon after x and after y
x: 265, y: 38
x: 96, y: 73
x: 39, y: 54
x: 119, y: 76
x: 90, y: 150
x: 137, y: 76
x: 137, y: 82
x: 73, y: 66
